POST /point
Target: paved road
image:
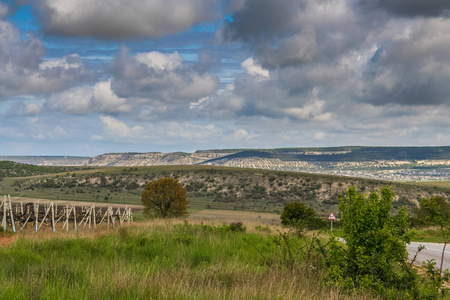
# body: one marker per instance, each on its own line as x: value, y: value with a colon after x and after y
x: 432, y: 251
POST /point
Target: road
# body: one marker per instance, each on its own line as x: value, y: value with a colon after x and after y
x: 431, y: 251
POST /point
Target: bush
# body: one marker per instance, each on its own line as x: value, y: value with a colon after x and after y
x: 296, y: 214
x: 374, y: 258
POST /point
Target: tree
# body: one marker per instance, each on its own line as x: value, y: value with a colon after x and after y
x: 375, y: 244
x: 436, y: 210
x: 298, y: 215
x: 165, y: 198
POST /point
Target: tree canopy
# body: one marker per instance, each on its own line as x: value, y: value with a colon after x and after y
x: 298, y: 215
x: 165, y: 197
x: 375, y: 243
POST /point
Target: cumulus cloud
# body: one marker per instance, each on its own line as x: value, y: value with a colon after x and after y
x: 225, y: 104
x: 88, y: 99
x: 22, y: 70
x: 409, y: 8
x: 160, y: 61
x: 261, y: 20
x: 21, y: 109
x: 253, y: 68
x: 122, y: 18
x: 256, y: 94
x: 293, y: 50
x: 413, y: 69
x: 116, y: 128
x: 159, y: 77
x: 291, y: 32
x: 350, y: 55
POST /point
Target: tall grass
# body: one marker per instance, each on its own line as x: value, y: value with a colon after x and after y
x: 157, y: 261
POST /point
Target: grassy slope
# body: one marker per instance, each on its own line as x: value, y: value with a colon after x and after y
x: 158, y: 260
x: 210, y: 187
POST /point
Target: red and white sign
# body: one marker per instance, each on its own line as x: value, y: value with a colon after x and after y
x: 331, y: 217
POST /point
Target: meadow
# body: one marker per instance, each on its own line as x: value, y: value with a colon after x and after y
x: 162, y: 259
x: 241, y: 252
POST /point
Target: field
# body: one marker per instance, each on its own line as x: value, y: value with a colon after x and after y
x: 160, y: 259
x: 241, y: 252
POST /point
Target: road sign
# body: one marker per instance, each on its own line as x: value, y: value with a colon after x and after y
x: 331, y: 217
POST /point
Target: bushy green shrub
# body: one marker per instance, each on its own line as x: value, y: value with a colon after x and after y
x: 296, y: 214
x: 374, y: 258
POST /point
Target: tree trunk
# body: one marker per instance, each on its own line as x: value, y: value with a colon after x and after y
x: 442, y: 259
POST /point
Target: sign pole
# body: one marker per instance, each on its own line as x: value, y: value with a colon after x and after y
x: 331, y: 217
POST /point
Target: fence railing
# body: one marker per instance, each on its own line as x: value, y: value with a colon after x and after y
x: 35, y: 215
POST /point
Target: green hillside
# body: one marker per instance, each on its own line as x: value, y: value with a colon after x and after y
x: 210, y: 187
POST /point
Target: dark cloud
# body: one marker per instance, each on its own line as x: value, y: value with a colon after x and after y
x: 270, y: 28
x: 292, y: 51
x: 261, y: 20
x: 291, y: 32
x: 412, y: 70
x: 23, y: 70
x: 120, y: 19
x: 159, y: 77
x: 409, y: 8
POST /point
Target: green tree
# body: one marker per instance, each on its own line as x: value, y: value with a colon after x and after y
x: 375, y: 244
x: 164, y: 198
x: 436, y: 210
x: 298, y: 215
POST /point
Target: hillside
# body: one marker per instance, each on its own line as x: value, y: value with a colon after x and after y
x: 14, y: 169
x: 387, y: 163
x: 210, y: 187
x: 48, y: 160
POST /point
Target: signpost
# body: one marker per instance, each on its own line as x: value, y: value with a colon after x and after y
x: 331, y: 217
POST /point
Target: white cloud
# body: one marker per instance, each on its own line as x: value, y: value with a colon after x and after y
x: 88, y: 99
x: 22, y: 71
x: 240, y: 134
x: 116, y: 128
x: 253, y: 68
x: 160, y: 61
x: 32, y: 109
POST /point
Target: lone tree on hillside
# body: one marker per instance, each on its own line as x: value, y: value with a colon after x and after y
x: 164, y: 198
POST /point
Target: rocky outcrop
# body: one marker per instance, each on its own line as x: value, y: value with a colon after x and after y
x: 152, y: 159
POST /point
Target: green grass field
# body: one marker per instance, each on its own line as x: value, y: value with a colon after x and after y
x: 159, y: 260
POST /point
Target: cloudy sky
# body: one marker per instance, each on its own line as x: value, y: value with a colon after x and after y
x: 83, y: 77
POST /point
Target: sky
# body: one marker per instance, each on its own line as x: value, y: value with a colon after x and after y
x: 83, y: 77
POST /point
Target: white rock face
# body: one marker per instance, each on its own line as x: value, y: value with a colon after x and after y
x: 152, y: 159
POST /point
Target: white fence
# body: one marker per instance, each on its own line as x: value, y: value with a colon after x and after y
x: 33, y: 214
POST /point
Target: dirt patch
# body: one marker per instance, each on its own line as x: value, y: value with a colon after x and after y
x: 6, y: 239
x: 239, y: 216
